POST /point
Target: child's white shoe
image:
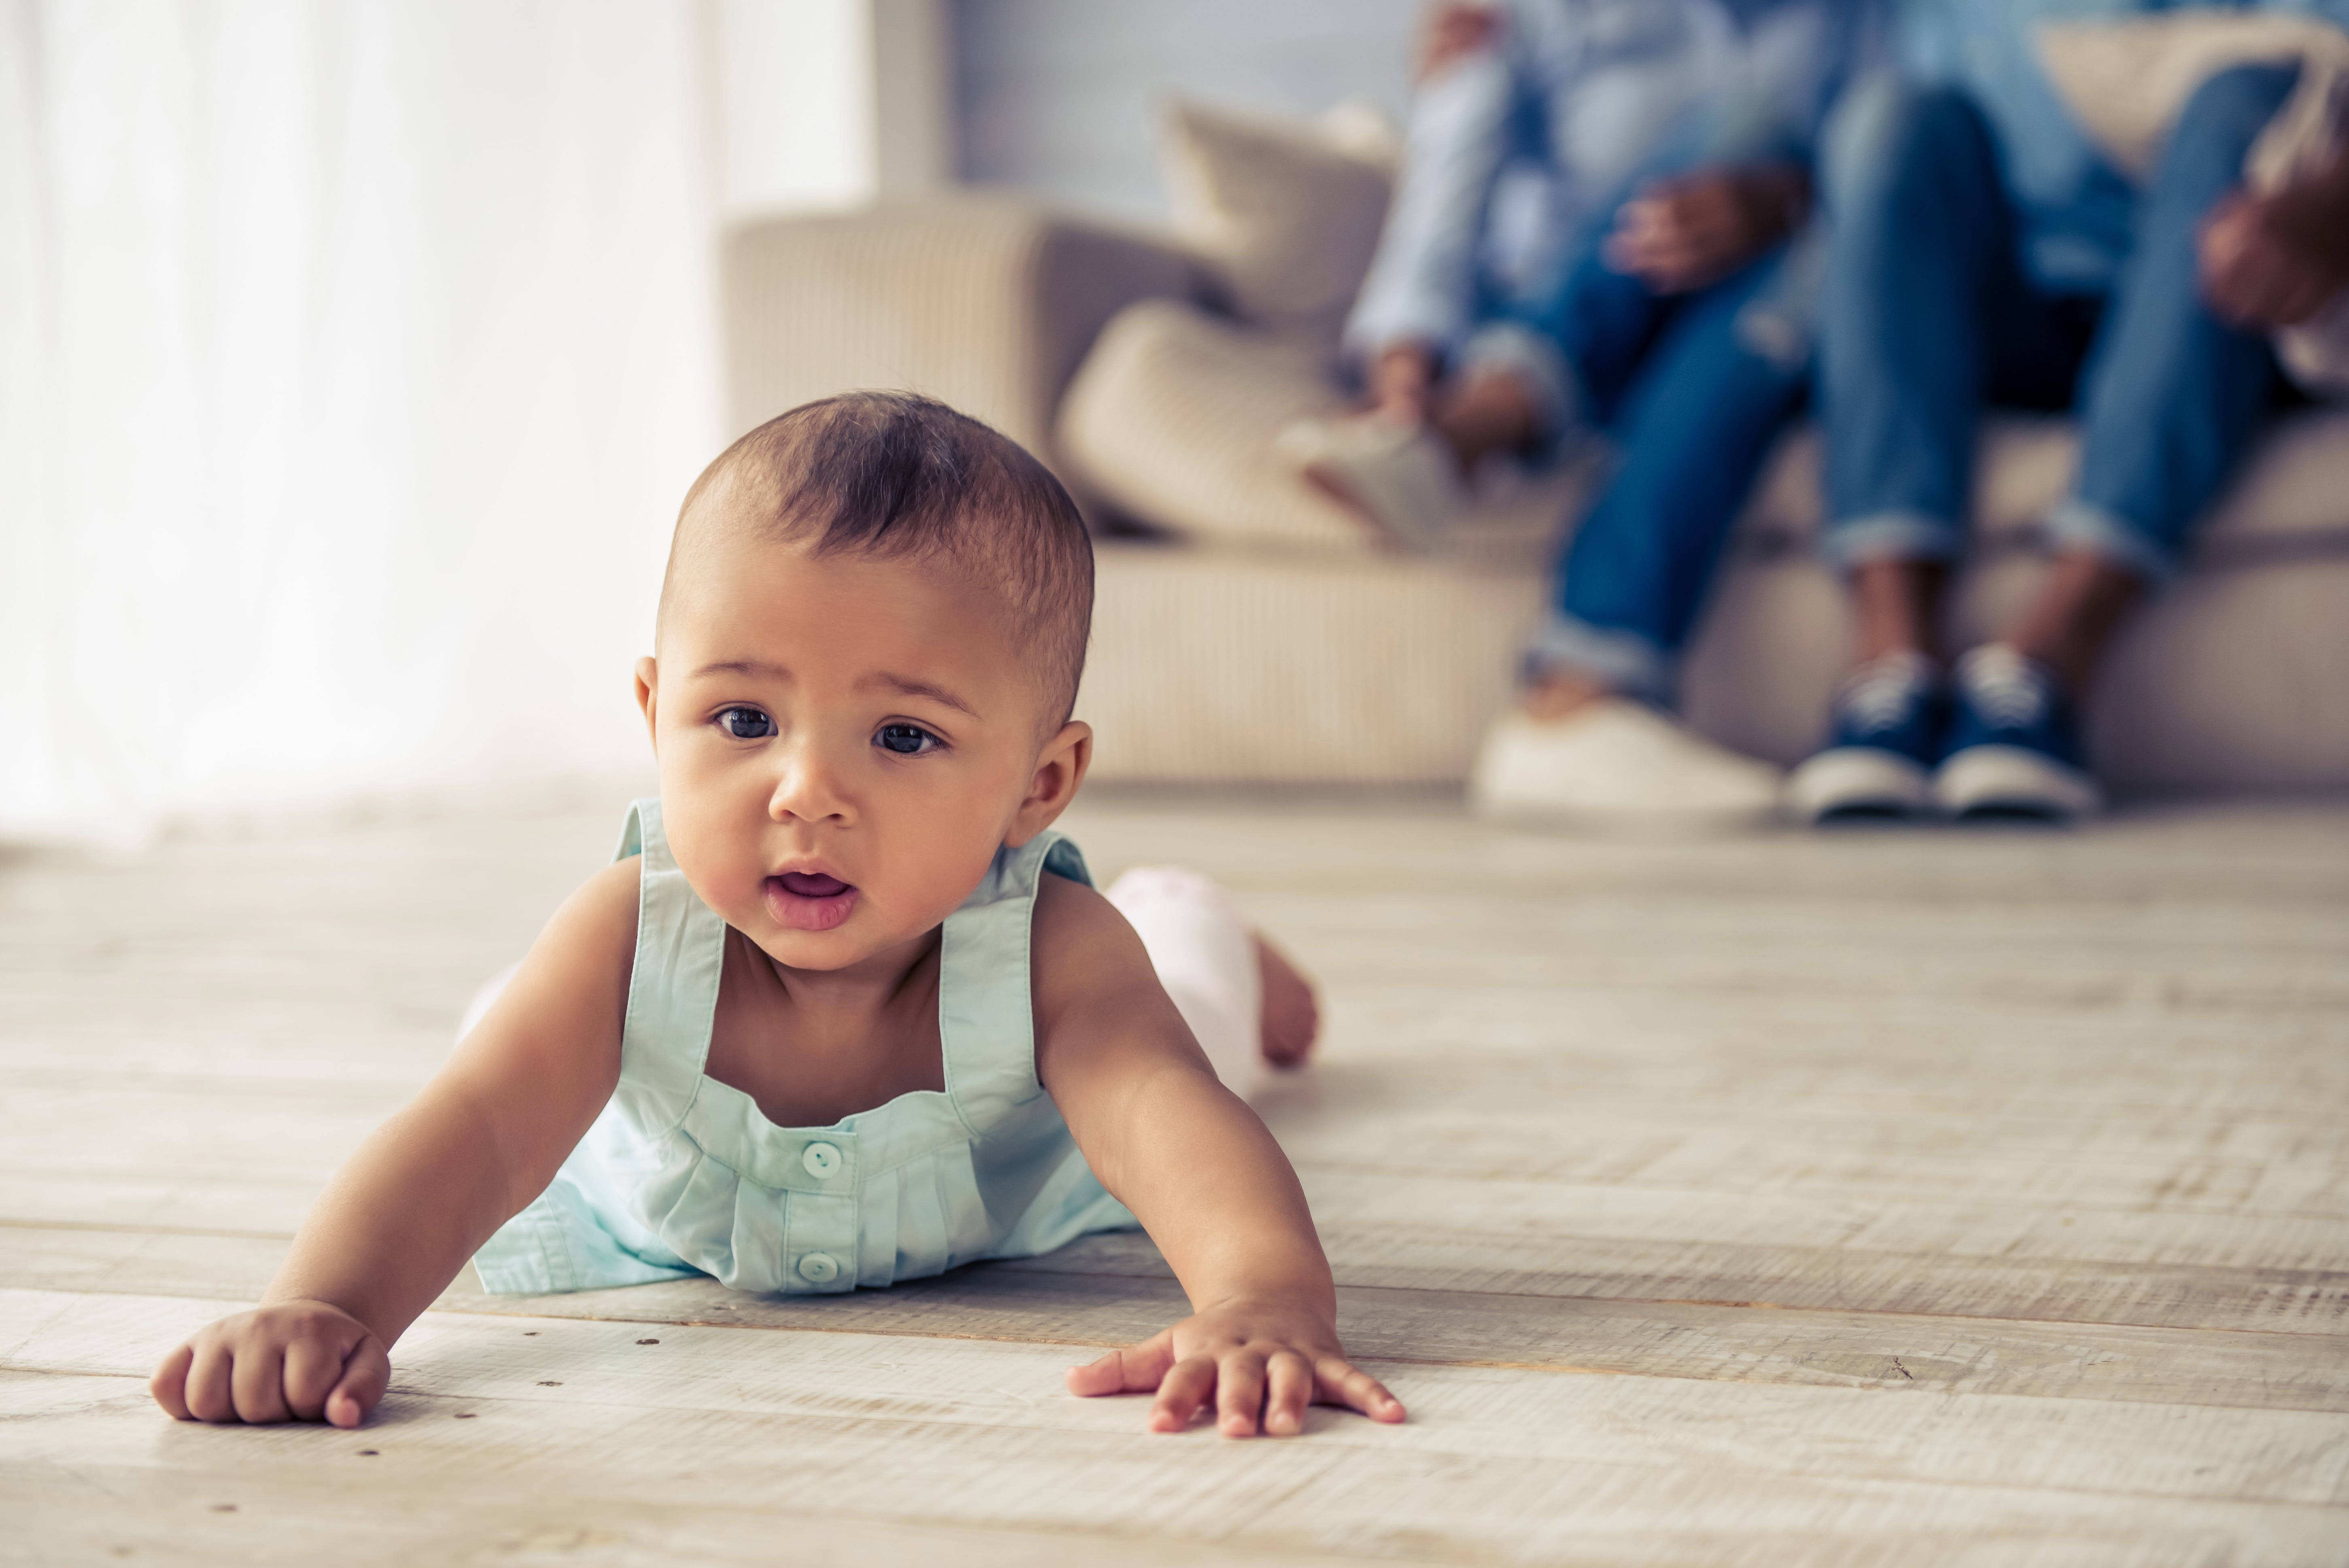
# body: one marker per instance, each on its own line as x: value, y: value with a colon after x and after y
x: 1616, y: 762
x: 1401, y: 477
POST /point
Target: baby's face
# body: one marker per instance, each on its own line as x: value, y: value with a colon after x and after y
x: 844, y: 743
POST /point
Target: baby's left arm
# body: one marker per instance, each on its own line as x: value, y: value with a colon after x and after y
x: 1204, y: 1177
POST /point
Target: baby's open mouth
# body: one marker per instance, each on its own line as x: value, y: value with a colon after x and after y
x: 808, y: 901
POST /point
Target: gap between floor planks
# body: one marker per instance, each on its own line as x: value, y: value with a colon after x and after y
x: 602, y: 1483
x: 2254, y: 1454
x: 1116, y: 1291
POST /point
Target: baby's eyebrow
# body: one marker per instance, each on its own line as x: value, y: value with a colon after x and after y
x: 919, y: 688
x: 899, y: 684
x: 742, y: 667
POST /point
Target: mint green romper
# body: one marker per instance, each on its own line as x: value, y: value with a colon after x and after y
x: 682, y: 1175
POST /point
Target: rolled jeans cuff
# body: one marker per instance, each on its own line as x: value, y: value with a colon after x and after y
x: 2082, y: 525
x: 1890, y: 536
x: 1624, y: 661
x: 1515, y: 349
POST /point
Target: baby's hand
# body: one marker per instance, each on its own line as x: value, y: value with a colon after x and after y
x: 1260, y: 1362
x: 296, y: 1361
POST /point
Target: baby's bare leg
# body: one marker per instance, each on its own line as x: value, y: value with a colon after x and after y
x: 1291, y: 1011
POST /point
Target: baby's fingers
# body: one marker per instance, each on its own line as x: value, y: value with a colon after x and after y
x: 169, y: 1384
x: 366, y: 1375
x: 1341, y: 1382
x: 313, y: 1367
x: 257, y: 1383
x: 206, y: 1394
x: 1136, y: 1369
x: 1290, y: 1389
x: 1181, y: 1394
x: 1239, y: 1393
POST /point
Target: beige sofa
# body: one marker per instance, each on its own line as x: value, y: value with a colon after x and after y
x: 1261, y: 637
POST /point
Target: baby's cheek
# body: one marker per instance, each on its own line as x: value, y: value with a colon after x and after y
x: 725, y: 876
x: 927, y: 874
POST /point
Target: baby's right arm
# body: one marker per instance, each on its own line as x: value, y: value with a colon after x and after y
x: 429, y: 1185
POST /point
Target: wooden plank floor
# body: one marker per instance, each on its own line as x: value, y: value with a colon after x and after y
x: 1943, y: 1197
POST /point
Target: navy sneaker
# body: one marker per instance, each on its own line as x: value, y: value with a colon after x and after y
x: 2014, y: 748
x: 1877, y: 763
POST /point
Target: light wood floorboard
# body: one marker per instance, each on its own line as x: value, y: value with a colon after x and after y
x: 1877, y: 1198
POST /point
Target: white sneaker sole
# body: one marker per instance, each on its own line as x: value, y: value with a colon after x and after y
x: 1399, y: 485
x: 1857, y: 780
x: 1617, y: 768
x: 1987, y: 780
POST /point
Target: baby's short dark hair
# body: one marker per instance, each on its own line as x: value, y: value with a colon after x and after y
x: 903, y: 477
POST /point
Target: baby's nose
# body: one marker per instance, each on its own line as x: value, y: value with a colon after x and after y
x: 809, y: 789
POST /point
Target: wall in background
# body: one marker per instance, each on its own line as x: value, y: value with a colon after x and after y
x: 826, y: 104
x: 1061, y: 99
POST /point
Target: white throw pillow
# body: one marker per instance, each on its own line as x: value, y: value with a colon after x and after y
x: 1286, y: 214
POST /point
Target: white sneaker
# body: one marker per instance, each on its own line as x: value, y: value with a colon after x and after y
x: 1620, y: 763
x: 1402, y: 477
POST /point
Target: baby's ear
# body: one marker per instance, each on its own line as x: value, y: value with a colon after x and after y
x: 647, y: 681
x: 1060, y: 769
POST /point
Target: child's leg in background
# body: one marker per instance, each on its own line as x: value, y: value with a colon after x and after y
x: 1244, y: 1002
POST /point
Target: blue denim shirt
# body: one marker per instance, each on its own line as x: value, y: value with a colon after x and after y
x: 1514, y: 154
x: 2078, y: 213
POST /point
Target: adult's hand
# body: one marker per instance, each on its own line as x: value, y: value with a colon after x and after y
x: 1455, y: 29
x: 1403, y: 383
x: 2277, y: 259
x: 1683, y: 234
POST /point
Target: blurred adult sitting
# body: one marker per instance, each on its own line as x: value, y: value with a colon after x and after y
x: 1984, y: 249
x: 1594, y: 206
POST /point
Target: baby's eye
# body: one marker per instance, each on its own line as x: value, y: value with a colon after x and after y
x: 746, y: 724
x: 905, y: 739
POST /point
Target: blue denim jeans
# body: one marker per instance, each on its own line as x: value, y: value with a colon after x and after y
x: 1693, y: 410
x: 1590, y: 93
x: 1930, y: 316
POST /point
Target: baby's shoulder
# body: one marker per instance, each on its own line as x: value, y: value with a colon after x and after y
x: 1080, y: 944
x: 625, y: 875
x: 611, y: 894
x: 597, y: 925
x: 1070, y: 911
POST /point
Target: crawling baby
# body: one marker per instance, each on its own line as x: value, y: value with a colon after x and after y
x: 845, y: 1010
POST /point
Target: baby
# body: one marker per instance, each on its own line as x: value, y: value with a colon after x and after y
x: 846, y: 1010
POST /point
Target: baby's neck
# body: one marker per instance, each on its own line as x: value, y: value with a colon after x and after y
x: 811, y: 1047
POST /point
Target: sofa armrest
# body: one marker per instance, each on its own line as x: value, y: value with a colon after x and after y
x: 987, y: 303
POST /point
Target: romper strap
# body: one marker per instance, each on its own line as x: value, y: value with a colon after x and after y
x: 987, y: 1015
x: 673, y: 987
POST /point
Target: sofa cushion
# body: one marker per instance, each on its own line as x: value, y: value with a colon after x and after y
x: 1217, y: 665
x: 1288, y: 216
x: 987, y: 303
x: 2293, y: 490
x: 1225, y: 666
x: 1172, y: 419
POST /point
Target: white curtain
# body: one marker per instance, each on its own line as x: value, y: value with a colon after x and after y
x: 354, y: 356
